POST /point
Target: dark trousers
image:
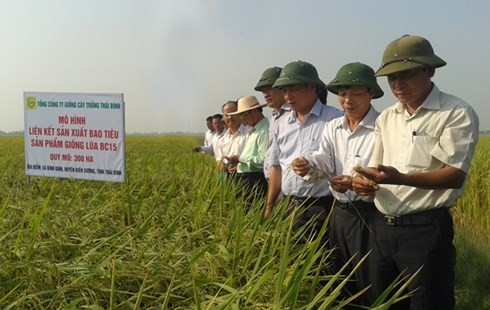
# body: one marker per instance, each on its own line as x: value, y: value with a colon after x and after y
x: 408, y: 243
x: 253, y: 184
x: 308, y: 208
x: 350, y: 236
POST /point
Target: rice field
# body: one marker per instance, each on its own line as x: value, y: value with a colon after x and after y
x: 472, y: 221
x: 175, y: 236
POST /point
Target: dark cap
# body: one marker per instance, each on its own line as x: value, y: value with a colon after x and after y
x: 355, y: 74
x: 298, y: 72
x: 268, y: 78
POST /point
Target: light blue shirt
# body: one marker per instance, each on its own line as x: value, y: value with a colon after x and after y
x: 293, y: 139
x: 276, y: 115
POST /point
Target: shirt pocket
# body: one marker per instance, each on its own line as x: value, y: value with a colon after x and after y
x: 313, y: 145
x: 419, y: 155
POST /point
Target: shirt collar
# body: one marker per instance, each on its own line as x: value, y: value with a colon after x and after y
x: 242, y: 130
x: 283, y: 109
x: 225, y: 130
x: 261, y: 124
x: 369, y: 120
x: 315, y: 110
x: 430, y: 103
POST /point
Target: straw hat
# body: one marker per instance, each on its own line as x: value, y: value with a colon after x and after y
x: 247, y: 103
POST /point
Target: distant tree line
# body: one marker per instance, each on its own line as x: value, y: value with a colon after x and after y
x: 12, y: 133
x: 180, y: 133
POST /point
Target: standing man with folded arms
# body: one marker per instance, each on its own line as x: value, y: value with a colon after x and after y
x: 423, y: 150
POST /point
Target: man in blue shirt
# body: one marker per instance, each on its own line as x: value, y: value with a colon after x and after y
x: 299, y: 134
x: 274, y: 100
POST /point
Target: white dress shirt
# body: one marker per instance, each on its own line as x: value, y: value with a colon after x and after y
x: 442, y: 131
x: 231, y: 144
x: 341, y: 149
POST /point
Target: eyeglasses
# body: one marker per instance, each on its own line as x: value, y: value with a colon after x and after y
x: 243, y: 115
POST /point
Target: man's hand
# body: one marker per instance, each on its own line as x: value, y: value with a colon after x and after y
x: 382, y: 174
x: 341, y: 183
x: 268, y: 211
x: 444, y: 177
x: 364, y: 186
x: 233, y: 159
x: 300, y: 166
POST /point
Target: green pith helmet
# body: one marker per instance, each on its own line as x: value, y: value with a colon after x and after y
x: 298, y: 72
x: 408, y: 52
x: 355, y: 74
x: 268, y: 78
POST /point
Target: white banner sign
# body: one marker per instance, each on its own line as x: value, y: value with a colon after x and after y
x: 75, y: 135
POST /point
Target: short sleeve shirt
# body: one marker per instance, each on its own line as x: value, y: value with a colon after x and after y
x: 442, y: 131
x: 231, y: 144
x: 341, y: 149
x: 293, y: 139
x: 214, y: 142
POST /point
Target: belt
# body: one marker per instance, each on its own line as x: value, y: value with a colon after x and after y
x: 351, y: 204
x: 252, y: 174
x: 419, y: 218
x: 327, y: 201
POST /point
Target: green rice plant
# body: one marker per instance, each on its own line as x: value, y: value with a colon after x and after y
x: 174, y: 236
x: 472, y: 220
x: 473, y: 205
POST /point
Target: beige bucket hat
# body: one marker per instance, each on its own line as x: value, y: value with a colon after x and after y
x: 247, y: 103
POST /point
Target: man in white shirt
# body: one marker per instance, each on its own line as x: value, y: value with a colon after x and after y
x: 422, y: 153
x: 348, y: 141
x: 208, y: 136
x: 233, y: 141
x: 219, y: 131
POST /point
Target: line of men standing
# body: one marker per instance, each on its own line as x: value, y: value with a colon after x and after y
x: 388, y: 180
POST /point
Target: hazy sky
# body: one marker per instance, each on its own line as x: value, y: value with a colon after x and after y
x: 178, y: 61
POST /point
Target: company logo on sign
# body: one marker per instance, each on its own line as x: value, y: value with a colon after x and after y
x: 31, y: 103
